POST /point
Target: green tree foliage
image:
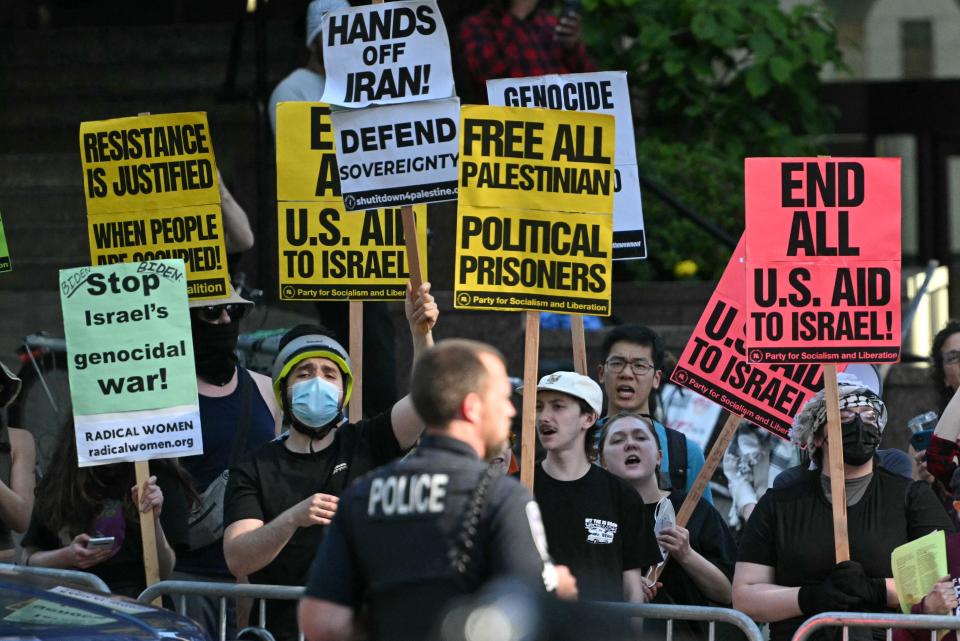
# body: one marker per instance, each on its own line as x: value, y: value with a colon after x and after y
x: 714, y: 81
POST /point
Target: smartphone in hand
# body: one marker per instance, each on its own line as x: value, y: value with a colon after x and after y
x: 100, y: 543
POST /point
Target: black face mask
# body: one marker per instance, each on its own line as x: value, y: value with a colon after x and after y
x: 860, y: 441
x: 213, y: 350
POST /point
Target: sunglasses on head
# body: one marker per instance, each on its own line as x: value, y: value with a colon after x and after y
x: 211, y: 313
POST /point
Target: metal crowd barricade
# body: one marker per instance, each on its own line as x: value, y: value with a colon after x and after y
x: 848, y: 620
x: 222, y: 592
x: 690, y: 613
x: 73, y: 577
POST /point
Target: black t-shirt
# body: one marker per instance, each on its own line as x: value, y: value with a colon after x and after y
x: 711, y: 538
x: 389, y: 544
x: 219, y: 423
x: 599, y: 527
x: 791, y: 530
x: 274, y: 479
x: 124, y: 571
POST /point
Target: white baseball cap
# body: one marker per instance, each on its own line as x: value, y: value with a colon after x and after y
x: 316, y: 11
x: 575, y: 385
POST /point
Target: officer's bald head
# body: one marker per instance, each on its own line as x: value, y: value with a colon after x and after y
x: 446, y: 374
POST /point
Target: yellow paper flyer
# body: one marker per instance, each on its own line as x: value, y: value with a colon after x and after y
x: 917, y: 566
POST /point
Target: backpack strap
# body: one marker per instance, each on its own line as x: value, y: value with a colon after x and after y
x: 677, y: 452
x: 245, y: 382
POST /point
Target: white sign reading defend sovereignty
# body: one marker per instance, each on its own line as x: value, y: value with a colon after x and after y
x: 399, y: 154
x: 607, y: 93
x: 386, y: 54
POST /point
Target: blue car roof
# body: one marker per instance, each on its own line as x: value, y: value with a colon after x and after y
x: 28, y: 610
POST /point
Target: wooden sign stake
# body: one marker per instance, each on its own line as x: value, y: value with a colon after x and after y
x: 700, y: 483
x: 413, y: 249
x: 838, y: 489
x: 579, y: 344
x: 148, y: 531
x: 356, y: 359
x: 528, y: 444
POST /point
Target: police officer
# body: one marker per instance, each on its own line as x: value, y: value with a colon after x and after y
x: 418, y: 532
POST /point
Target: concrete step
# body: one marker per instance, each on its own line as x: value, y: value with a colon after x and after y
x: 31, y: 275
x: 53, y: 127
x: 27, y: 209
x: 58, y: 171
x: 119, y: 79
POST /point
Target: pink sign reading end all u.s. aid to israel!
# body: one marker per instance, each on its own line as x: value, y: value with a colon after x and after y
x: 822, y: 260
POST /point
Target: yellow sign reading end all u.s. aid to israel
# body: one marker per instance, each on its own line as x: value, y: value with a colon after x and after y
x: 148, y: 162
x: 328, y: 253
x: 543, y: 159
x: 306, y: 153
x: 533, y: 260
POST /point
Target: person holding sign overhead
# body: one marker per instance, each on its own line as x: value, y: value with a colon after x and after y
x: 786, y: 569
x: 280, y: 498
x: 306, y: 84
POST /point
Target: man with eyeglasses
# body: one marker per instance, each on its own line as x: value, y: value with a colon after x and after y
x: 629, y: 371
x: 238, y: 414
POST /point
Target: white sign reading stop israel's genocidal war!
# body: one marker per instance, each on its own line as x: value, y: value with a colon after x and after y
x: 386, y: 53
x: 399, y: 154
x: 132, y: 378
x: 604, y: 92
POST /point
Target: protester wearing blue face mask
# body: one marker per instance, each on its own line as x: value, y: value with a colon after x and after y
x: 280, y: 498
x: 314, y: 402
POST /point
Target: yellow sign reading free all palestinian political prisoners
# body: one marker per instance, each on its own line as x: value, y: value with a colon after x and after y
x: 148, y: 162
x: 543, y: 159
x: 533, y: 260
x: 328, y: 253
x: 306, y: 153
x: 190, y: 233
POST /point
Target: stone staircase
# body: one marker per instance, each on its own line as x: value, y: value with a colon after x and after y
x: 52, y: 80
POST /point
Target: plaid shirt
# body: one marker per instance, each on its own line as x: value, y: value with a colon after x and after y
x: 497, y: 44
